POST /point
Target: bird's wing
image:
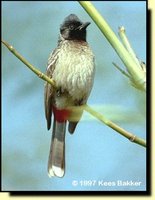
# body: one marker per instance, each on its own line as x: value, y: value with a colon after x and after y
x: 49, y: 90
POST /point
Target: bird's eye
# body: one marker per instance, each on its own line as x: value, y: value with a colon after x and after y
x: 71, y: 27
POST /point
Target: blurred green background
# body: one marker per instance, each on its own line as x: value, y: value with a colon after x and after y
x: 94, y: 152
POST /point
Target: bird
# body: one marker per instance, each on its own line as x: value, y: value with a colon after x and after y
x: 72, y: 66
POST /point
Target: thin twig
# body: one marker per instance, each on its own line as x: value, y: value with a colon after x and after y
x: 121, y: 70
x: 127, y: 45
x: 99, y: 116
x: 30, y: 66
x: 123, y: 132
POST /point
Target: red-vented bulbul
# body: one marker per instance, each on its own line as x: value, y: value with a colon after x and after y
x: 71, y: 66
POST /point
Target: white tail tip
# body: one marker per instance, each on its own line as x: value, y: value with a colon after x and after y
x: 56, y: 171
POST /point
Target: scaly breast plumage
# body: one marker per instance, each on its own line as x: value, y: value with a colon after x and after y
x: 74, y: 72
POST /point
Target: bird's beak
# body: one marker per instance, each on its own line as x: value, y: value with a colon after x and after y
x: 83, y: 26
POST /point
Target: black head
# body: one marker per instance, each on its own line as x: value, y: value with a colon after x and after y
x: 73, y: 29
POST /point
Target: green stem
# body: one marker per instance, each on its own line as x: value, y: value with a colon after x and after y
x: 86, y: 107
x: 127, y: 45
x: 123, y: 132
x: 137, y: 74
x: 34, y: 69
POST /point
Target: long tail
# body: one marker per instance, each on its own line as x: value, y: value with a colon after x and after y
x: 56, y: 161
